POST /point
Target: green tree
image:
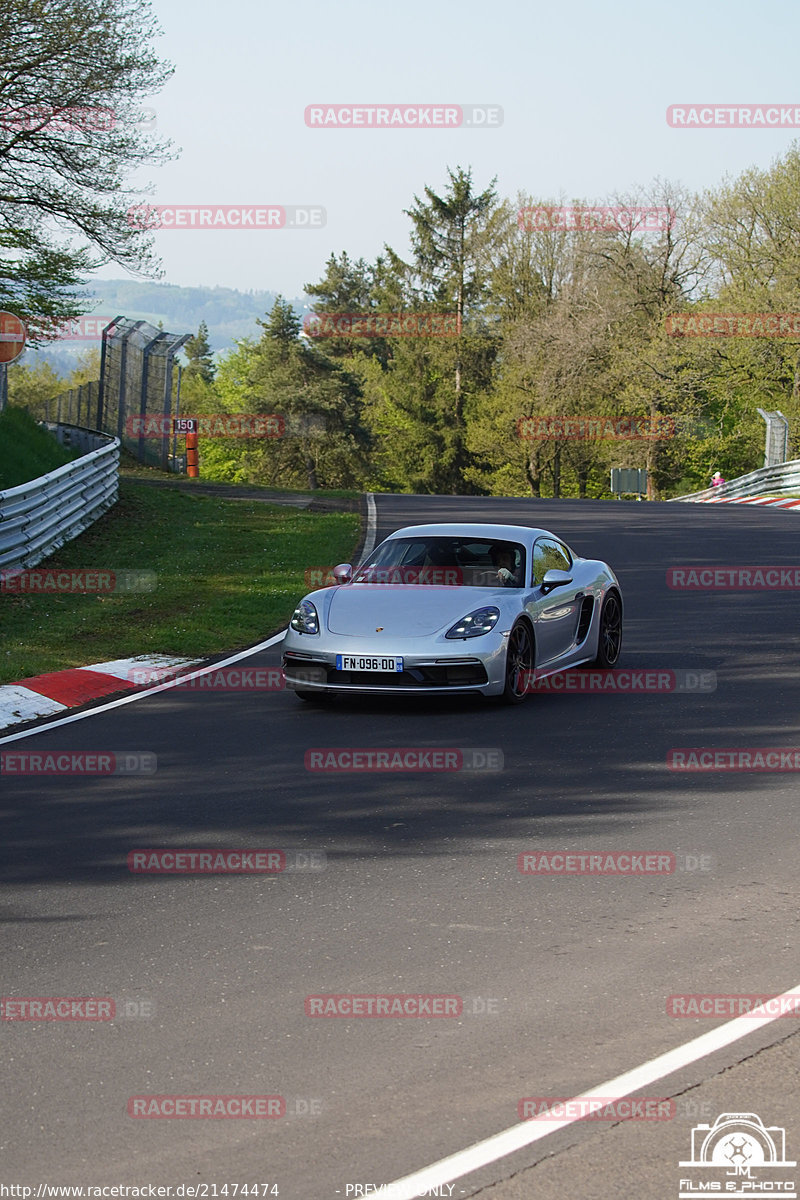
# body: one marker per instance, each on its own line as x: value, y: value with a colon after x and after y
x: 324, y: 442
x: 449, y: 240
x: 200, y: 356
x: 428, y: 378
x: 73, y: 74
x: 31, y: 385
x: 348, y: 287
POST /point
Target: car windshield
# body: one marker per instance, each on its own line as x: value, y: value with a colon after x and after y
x: 446, y: 562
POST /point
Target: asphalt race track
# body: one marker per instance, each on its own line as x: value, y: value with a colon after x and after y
x: 564, y: 980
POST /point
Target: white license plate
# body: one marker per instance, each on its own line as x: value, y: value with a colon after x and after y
x: 368, y: 662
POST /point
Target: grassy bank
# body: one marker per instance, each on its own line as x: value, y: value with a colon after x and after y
x: 228, y: 573
x: 26, y: 450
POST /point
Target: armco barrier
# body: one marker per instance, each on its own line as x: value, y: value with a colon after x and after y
x: 38, y: 517
x: 766, y: 479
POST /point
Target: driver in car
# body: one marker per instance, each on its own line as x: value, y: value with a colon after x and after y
x: 504, y: 564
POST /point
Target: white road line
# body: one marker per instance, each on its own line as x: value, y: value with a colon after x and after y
x: 528, y: 1132
x: 161, y: 687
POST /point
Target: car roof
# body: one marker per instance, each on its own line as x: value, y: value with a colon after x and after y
x: 474, y: 529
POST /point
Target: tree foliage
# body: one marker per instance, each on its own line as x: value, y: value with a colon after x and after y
x: 73, y: 75
x: 552, y: 324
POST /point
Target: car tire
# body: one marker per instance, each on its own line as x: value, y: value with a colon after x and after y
x: 609, y: 641
x: 520, y: 664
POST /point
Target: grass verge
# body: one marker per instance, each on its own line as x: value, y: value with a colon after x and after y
x: 229, y: 572
x: 26, y: 450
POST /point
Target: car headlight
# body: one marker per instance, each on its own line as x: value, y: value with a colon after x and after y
x: 480, y: 620
x: 304, y: 618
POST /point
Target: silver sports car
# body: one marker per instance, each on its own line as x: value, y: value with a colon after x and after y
x: 455, y: 608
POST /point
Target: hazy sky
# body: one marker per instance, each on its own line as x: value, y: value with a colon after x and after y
x: 584, y: 87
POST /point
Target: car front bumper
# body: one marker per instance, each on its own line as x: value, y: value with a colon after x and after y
x: 446, y: 667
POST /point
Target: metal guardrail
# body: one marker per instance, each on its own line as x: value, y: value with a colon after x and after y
x: 771, y: 479
x: 38, y: 517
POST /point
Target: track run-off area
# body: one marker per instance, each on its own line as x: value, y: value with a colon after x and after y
x: 554, y: 982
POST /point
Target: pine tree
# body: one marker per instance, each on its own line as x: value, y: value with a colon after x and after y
x: 200, y: 356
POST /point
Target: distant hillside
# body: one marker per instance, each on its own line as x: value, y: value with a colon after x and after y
x: 228, y: 313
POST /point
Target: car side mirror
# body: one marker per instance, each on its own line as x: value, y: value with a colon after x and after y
x: 553, y: 579
x: 343, y: 572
